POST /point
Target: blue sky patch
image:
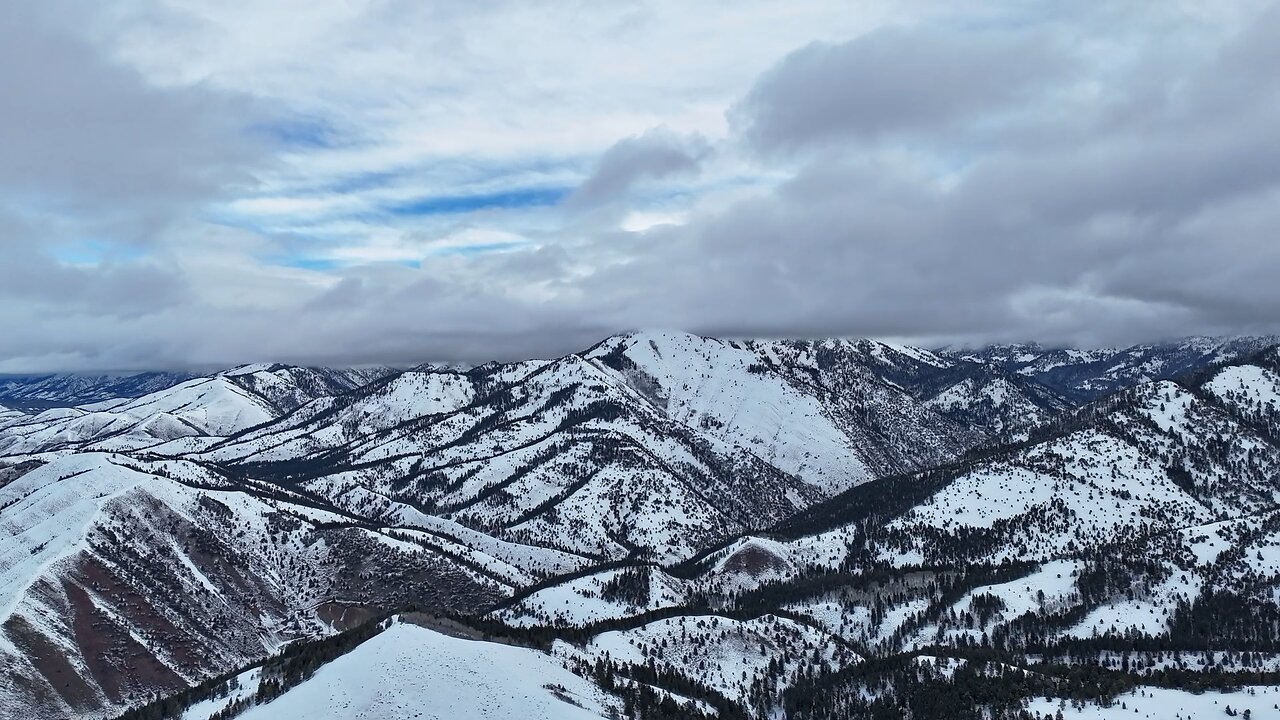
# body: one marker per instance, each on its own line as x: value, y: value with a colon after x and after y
x: 93, y: 252
x: 478, y: 248
x: 457, y: 204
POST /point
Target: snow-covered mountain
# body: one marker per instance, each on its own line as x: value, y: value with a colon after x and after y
x: 663, y: 523
x: 1152, y: 514
x: 982, y: 398
x: 1125, y: 535
x: 650, y: 443
x: 1149, y: 460
x: 9, y: 416
x: 1083, y: 375
x: 408, y: 671
x: 185, y: 573
x: 77, y: 388
x: 198, y: 409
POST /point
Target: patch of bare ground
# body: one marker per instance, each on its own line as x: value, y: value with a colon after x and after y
x: 454, y: 628
x: 126, y: 601
x: 120, y: 665
x: 754, y: 560
x: 344, y: 616
x: 52, y: 663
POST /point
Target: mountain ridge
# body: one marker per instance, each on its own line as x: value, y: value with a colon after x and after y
x: 654, y: 487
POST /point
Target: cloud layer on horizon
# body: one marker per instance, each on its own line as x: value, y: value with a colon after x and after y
x: 191, y: 183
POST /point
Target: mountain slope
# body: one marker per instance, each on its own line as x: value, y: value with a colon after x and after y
x: 649, y: 443
x: 567, y: 455
x: 37, y: 391
x: 119, y: 579
x: 408, y: 671
x: 813, y: 410
x: 736, y: 528
x: 1084, y: 375
x: 9, y: 416
x: 1150, y: 459
x: 1160, y: 456
x: 207, y: 407
x: 1142, y: 521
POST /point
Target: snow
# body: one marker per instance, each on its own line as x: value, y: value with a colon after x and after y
x: 1055, y: 579
x: 215, y: 405
x: 1087, y: 487
x: 204, y: 406
x: 749, y: 562
x: 249, y: 369
x: 996, y: 396
x: 1168, y: 704
x: 725, y: 654
x: 1264, y: 555
x: 1149, y: 614
x: 1169, y: 407
x: 409, y: 671
x: 527, y: 488
x: 247, y: 684
x: 46, y: 514
x: 1247, y: 386
x: 579, y: 601
x: 9, y: 415
x: 526, y: 557
x: 916, y: 353
x: 1206, y: 542
x: 896, y: 615
x: 707, y: 385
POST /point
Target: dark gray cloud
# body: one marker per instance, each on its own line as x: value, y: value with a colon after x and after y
x: 1085, y: 220
x: 896, y: 82
x: 98, y: 165
x: 88, y: 139
x: 657, y: 154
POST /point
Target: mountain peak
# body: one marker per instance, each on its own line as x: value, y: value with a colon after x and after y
x: 662, y: 499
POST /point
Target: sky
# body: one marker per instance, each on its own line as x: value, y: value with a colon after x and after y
x: 197, y: 183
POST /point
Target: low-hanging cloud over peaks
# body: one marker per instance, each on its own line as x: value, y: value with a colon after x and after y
x: 501, y: 181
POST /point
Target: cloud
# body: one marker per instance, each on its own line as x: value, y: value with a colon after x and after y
x: 654, y: 155
x: 897, y: 81
x: 1100, y: 174
x: 93, y: 142
x: 1086, y: 219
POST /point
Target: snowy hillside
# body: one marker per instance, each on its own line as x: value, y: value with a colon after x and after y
x: 815, y: 412
x: 77, y: 389
x: 996, y: 403
x: 408, y: 671
x: 207, y: 407
x: 286, y: 387
x: 185, y: 573
x: 606, y: 595
x: 730, y: 656
x: 1085, y: 375
x: 9, y: 416
x: 663, y: 525
x: 647, y: 443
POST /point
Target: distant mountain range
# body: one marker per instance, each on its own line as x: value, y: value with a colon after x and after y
x: 60, y: 390
x: 690, y: 526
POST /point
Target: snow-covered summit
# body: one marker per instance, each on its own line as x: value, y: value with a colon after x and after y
x: 408, y: 671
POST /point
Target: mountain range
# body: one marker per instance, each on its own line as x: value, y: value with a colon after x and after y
x: 662, y: 525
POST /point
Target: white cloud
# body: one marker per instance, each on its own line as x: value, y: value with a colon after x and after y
x: 349, y: 180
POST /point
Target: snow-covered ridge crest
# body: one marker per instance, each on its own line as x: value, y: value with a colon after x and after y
x: 206, y: 407
x: 157, y: 557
